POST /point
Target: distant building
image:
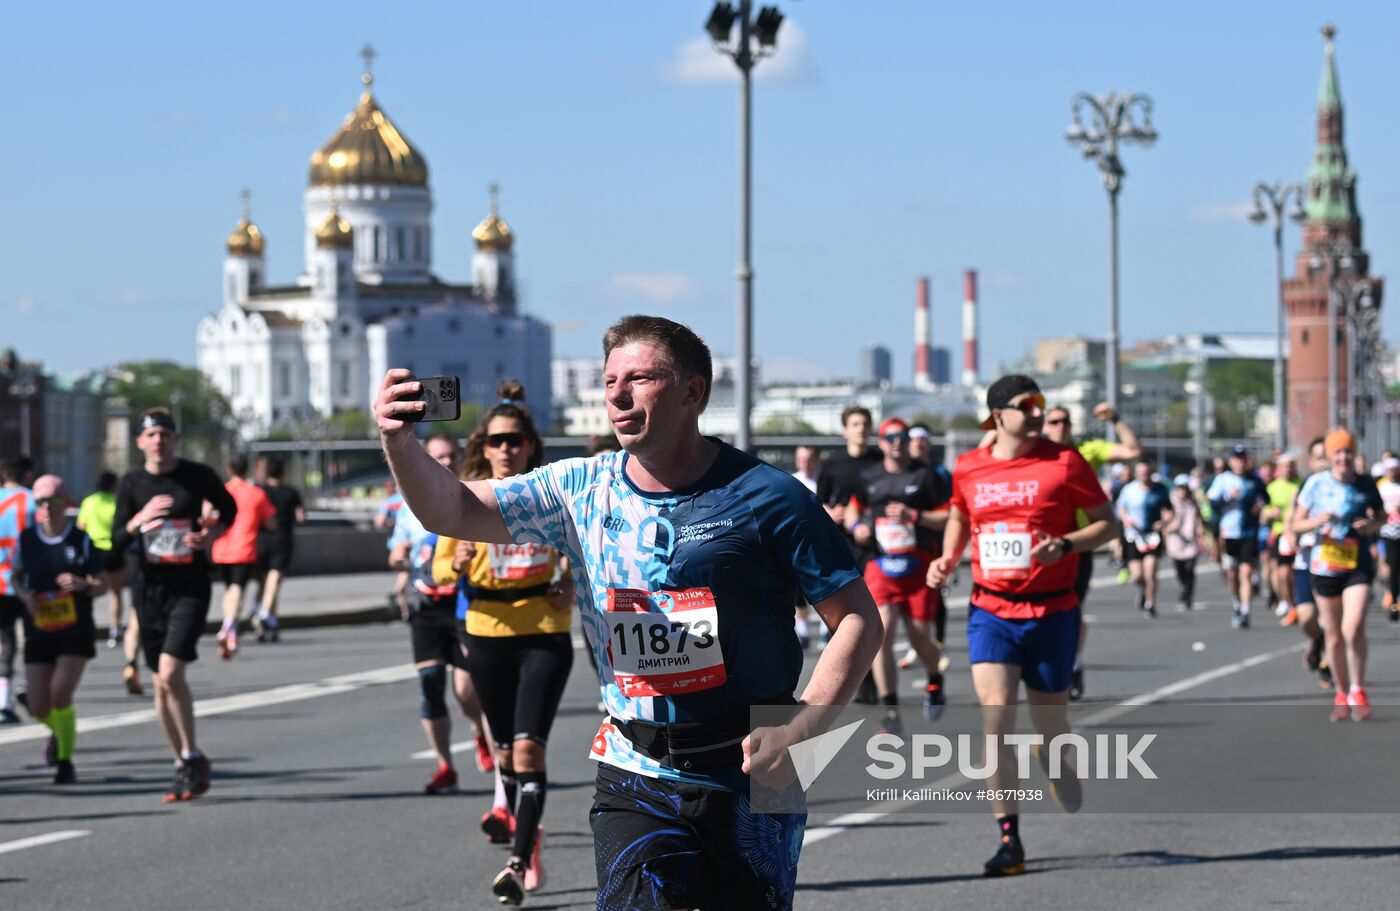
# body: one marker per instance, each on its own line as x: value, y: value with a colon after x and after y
x: 59, y: 423
x: 1053, y: 354
x: 876, y: 365
x: 941, y: 366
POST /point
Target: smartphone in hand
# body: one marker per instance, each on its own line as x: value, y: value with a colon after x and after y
x: 443, y: 395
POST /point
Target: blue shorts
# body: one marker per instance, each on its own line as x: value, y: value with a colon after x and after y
x: 1302, y: 587
x: 1043, y: 648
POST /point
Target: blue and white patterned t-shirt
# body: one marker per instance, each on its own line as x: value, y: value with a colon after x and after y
x: 686, y: 597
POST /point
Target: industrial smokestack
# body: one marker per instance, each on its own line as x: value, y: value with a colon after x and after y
x: 923, y: 349
x: 969, y: 374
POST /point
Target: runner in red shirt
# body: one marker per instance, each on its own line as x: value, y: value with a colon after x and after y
x: 1016, y: 501
x: 235, y: 552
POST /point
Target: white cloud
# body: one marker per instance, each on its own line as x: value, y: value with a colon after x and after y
x: 697, y: 61
x: 24, y: 305
x: 664, y: 287
x: 1215, y: 212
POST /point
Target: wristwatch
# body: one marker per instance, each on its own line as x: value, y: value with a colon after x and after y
x: 1066, y: 546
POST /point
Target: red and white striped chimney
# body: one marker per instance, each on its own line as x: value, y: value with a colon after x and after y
x: 923, y: 350
x: 969, y: 374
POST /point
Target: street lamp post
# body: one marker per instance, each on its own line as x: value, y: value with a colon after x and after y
x: 764, y: 30
x: 1100, y: 124
x: 1345, y: 295
x: 1277, y: 195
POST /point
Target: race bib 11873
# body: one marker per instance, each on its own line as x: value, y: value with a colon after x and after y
x: 664, y: 643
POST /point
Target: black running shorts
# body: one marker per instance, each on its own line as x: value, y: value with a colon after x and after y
x: 1243, y: 550
x: 234, y: 573
x: 520, y: 680
x: 434, y: 634
x: 661, y: 845
x: 47, y: 648
x: 171, y: 610
x: 274, y: 556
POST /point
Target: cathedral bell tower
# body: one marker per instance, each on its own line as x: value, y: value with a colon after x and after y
x: 493, y: 263
x: 244, y: 267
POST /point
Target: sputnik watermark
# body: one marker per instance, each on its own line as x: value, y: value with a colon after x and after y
x: 1104, y: 757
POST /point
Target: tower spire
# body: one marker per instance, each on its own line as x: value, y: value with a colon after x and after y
x: 495, y: 190
x: 1328, y: 95
x: 1331, y: 182
x: 247, y: 195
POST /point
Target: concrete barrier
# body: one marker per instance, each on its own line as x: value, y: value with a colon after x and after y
x: 334, y: 550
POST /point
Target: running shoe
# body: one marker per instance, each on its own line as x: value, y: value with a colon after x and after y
x: 259, y: 627
x: 1239, y: 619
x: 485, y: 762
x: 228, y: 642
x: 1290, y: 617
x: 1150, y: 610
x: 935, y: 701
x: 892, y: 723
x: 64, y: 774
x: 1009, y: 860
x: 499, y: 825
x: 534, y: 873
x: 444, y: 781
x: 1065, y: 791
x: 51, y: 752
x: 509, y: 887
x: 8, y: 716
x: 1123, y: 576
x: 132, y: 678
x: 1341, y: 710
x: 1393, y: 614
x: 1360, y: 705
x: 180, y: 786
x: 907, y: 659
x: 197, y: 777
x: 1324, y: 676
x: 1076, y: 684
x: 1313, y: 660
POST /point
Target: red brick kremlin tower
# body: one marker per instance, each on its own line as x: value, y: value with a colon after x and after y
x: 1331, y: 239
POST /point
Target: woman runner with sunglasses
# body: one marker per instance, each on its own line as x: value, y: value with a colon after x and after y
x: 518, y: 648
x: 1344, y: 510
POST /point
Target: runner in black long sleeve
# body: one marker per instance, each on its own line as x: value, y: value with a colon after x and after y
x: 160, y: 505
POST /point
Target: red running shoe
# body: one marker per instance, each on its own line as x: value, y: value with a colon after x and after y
x: 1341, y: 711
x: 444, y: 781
x: 499, y: 825
x: 534, y: 873
x: 485, y: 762
x: 1360, y: 705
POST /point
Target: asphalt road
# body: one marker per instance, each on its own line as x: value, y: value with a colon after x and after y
x: 317, y: 800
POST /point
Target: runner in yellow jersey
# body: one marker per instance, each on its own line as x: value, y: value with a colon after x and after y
x: 519, y: 653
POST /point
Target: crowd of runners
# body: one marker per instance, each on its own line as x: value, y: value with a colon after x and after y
x: 699, y: 575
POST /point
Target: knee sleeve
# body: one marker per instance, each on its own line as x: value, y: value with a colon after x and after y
x: 432, y: 691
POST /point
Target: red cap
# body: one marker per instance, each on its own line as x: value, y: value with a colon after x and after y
x: 893, y: 425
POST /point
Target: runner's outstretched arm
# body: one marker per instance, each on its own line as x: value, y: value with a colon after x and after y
x: 463, y: 510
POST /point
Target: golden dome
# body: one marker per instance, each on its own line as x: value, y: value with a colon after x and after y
x: 368, y: 149
x: 335, y: 231
x: 493, y: 233
x: 245, y: 239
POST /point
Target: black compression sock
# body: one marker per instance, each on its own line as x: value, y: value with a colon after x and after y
x: 529, y: 811
x: 891, y: 699
x: 1010, y: 826
x: 508, y: 785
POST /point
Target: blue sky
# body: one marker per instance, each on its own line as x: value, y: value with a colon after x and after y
x: 892, y: 140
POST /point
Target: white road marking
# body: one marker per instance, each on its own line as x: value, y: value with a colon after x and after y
x: 36, y: 841
x: 204, y: 708
x: 460, y: 747
x: 849, y: 821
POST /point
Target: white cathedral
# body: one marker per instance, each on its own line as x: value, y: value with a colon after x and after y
x: 368, y: 299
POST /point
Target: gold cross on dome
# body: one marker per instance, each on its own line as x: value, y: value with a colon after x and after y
x: 369, y: 54
x: 495, y: 189
x: 247, y: 195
